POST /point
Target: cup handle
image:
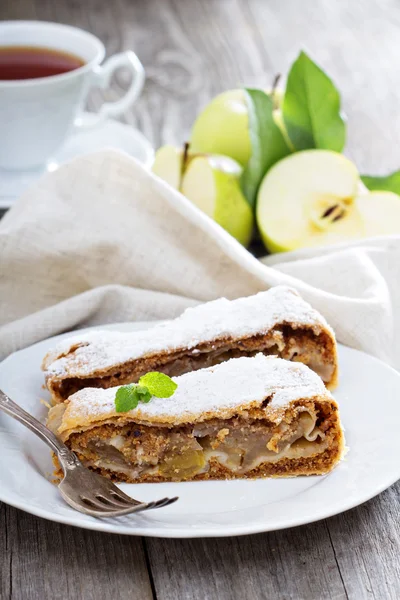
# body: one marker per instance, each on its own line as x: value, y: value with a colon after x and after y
x: 101, y: 78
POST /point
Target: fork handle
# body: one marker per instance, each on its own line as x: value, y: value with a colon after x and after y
x: 14, y: 410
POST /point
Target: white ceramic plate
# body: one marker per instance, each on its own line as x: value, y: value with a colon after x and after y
x: 368, y: 395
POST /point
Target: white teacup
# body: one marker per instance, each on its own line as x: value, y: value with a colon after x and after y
x: 36, y: 115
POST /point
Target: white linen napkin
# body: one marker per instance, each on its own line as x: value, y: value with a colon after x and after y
x: 102, y: 240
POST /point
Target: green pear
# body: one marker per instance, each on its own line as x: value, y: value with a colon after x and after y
x: 212, y: 183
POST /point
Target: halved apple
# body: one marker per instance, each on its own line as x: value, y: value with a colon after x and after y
x: 168, y: 165
x: 309, y: 199
x: 212, y: 183
x: 380, y: 212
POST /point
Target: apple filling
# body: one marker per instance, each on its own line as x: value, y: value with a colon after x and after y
x: 302, y: 345
x: 233, y: 447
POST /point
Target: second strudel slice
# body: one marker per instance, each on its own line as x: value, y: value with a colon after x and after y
x: 277, y: 322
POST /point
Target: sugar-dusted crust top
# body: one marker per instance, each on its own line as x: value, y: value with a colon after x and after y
x: 94, y: 352
x: 221, y: 391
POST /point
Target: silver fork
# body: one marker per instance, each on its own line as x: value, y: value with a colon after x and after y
x: 82, y: 489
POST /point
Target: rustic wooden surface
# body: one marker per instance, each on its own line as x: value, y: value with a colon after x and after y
x: 191, y: 50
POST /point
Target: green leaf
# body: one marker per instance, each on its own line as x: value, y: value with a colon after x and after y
x: 143, y: 393
x: 126, y: 398
x: 311, y: 108
x: 388, y: 183
x: 152, y: 384
x: 268, y: 144
x: 158, y: 384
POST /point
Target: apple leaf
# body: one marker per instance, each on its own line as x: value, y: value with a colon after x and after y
x: 311, y: 108
x: 268, y: 144
x: 386, y: 183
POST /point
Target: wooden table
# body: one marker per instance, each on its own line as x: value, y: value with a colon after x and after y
x: 191, y: 50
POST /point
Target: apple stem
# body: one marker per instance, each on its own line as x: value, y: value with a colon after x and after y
x: 185, y: 155
x: 275, y: 83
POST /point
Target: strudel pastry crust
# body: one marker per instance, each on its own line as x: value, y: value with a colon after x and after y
x: 277, y: 322
x: 247, y: 417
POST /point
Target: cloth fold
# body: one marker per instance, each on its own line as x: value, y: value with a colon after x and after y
x: 103, y: 240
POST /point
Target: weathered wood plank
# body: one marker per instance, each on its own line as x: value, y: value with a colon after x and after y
x: 5, y: 556
x: 367, y: 544
x: 294, y: 564
x: 48, y: 561
x: 18, y: 9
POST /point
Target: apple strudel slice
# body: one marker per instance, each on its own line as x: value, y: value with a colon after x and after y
x: 245, y: 418
x: 277, y: 322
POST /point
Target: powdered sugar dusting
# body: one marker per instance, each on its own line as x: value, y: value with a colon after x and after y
x: 220, y: 318
x: 228, y: 386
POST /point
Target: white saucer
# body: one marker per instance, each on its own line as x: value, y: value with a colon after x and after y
x: 109, y: 134
x: 368, y: 396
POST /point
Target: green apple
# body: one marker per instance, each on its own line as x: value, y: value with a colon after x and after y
x: 309, y: 199
x: 212, y: 183
x: 223, y: 126
x: 380, y: 212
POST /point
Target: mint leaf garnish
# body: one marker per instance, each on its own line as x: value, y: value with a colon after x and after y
x: 268, y: 144
x: 143, y: 394
x: 152, y: 384
x: 311, y: 108
x: 158, y: 384
x: 126, y: 398
x: 388, y: 183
